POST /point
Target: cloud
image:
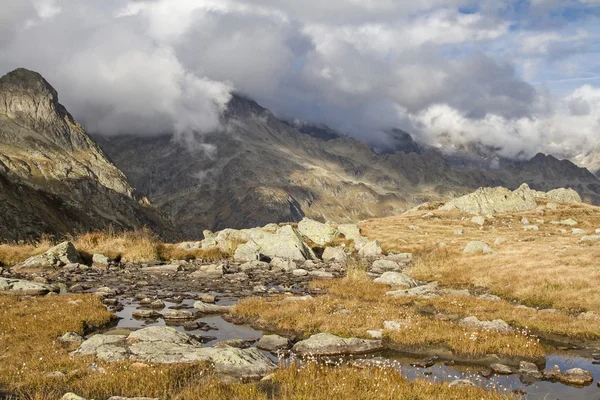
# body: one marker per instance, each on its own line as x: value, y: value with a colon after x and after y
x: 436, y: 68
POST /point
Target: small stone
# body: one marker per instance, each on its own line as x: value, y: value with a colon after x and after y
x: 299, y: 272
x: 577, y: 231
x: 501, y: 369
x: 530, y: 369
x: 178, y: 314
x: 477, y: 247
x: 478, y: 220
x: 459, y: 383
x: 145, y: 314
x: 273, y: 343
x: 375, y: 333
x: 208, y: 298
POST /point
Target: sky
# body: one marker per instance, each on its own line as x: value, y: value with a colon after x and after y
x: 522, y: 76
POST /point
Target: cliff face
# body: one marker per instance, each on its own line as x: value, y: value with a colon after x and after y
x: 264, y: 170
x: 54, y: 178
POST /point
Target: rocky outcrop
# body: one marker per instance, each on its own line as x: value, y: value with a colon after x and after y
x: 165, y: 345
x: 19, y: 286
x: 57, y: 256
x: 494, y: 200
x: 319, y: 233
x: 54, y: 178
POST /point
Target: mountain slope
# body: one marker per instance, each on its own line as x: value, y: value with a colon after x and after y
x: 54, y: 178
x: 264, y: 170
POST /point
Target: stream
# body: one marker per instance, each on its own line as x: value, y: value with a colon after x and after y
x: 215, y: 329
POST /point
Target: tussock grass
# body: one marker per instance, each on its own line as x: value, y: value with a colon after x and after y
x: 354, y: 305
x: 139, y: 245
x: 545, y: 268
x: 318, y: 382
x: 29, y: 328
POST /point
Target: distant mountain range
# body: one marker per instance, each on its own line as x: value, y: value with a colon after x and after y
x: 55, y: 179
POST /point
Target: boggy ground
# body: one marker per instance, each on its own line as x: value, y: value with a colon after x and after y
x: 34, y: 365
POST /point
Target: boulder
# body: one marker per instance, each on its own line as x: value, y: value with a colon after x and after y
x: 62, y: 254
x: 228, y: 240
x: 206, y: 308
x: 567, y: 222
x: 273, y: 343
x: 396, y: 279
x: 590, y: 238
x: 381, y: 266
x: 371, y: 249
x: 530, y: 369
x: 249, y: 251
x: 320, y: 274
x: 477, y: 247
x: 317, y: 232
x: 210, y: 271
x: 71, y: 338
x: 496, y: 200
x: 100, y: 260
x: 429, y: 290
x: 478, y: 220
x: 352, y: 232
x: 162, y: 269
x: 577, y: 231
x: 531, y: 228
x: 561, y: 195
x: 326, y: 344
x: 20, y: 286
x: 280, y: 264
x: 460, y: 383
x: 501, y: 369
x: 576, y: 376
x: 334, y: 254
x: 71, y: 396
x: 178, y: 314
x: 286, y: 243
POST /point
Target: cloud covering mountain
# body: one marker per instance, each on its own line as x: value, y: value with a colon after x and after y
x: 521, y: 76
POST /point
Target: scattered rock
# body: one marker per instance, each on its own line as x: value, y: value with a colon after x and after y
x: 381, y: 266
x: 567, y: 222
x: 576, y: 376
x: 178, y: 314
x: 205, y: 308
x: 478, y: 220
x: 501, y: 369
x: 273, y: 343
x: 146, y: 314
x: 71, y: 338
x: 371, y: 249
x: 210, y: 271
x: 529, y: 369
x: 352, y: 232
x: 396, y: 279
x: 62, y: 254
x: 326, y: 344
x: 26, y: 287
x: 334, y: 253
x: 478, y: 247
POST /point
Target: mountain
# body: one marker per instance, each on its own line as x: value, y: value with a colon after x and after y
x: 591, y: 161
x: 264, y: 170
x: 54, y: 179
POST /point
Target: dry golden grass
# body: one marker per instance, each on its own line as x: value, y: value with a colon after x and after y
x: 545, y: 268
x: 367, y: 307
x: 29, y: 328
x: 318, y: 382
x: 139, y: 245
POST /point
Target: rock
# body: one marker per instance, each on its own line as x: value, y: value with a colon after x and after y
x: 352, y: 232
x: 62, y: 254
x: 279, y: 264
x: 146, y: 314
x: 162, y: 269
x: 24, y: 287
x: 489, y: 297
x: 208, y: 298
x: 326, y: 344
x: 479, y: 220
x: 71, y: 396
x: 190, y: 245
x: 478, y: 247
x: 562, y: 195
x: 273, y: 343
x: 590, y: 238
x: 529, y: 369
x: 458, y: 232
x: 259, y: 289
x: 317, y: 232
x: 132, y: 398
x: 100, y: 260
x: 381, y: 266
x: 71, y: 338
x: 501, y: 369
x: 576, y: 376
x: 524, y: 221
x: 459, y: 383
x: 334, y: 253
x: 179, y: 314
x: 292, y: 299
x: 577, y: 231
x: 428, y: 290
x: 551, y: 374
x: 495, y: 325
x: 567, y: 222
x: 494, y: 201
x: 299, y: 272
x: 99, y: 341
x: 157, y: 304
x: 376, y: 333
x: 249, y: 251
x: 396, y: 279
x: 426, y: 363
x: 208, y: 234
x: 320, y: 274
x: 395, y: 325
x: 499, y: 241
x: 531, y: 228
x: 210, y: 271
x: 371, y: 249
x: 286, y: 243
x: 158, y: 334
x: 237, y: 343
x: 205, y: 308
x: 255, y: 266
x: 228, y: 240
x: 271, y: 228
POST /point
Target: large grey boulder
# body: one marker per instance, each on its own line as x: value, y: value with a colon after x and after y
x: 486, y: 201
x: 229, y: 239
x: 25, y: 287
x: 165, y: 345
x: 352, y: 232
x: 318, y: 232
x: 206, y: 308
x: 326, y: 344
x: 371, y: 250
x: 477, y: 247
x: 249, y: 251
x: 561, y: 195
x: 273, y: 343
x: 396, y: 279
x: 62, y: 254
x: 334, y: 254
x: 286, y: 243
x: 381, y: 266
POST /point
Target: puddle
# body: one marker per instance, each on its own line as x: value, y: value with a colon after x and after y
x: 222, y: 330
